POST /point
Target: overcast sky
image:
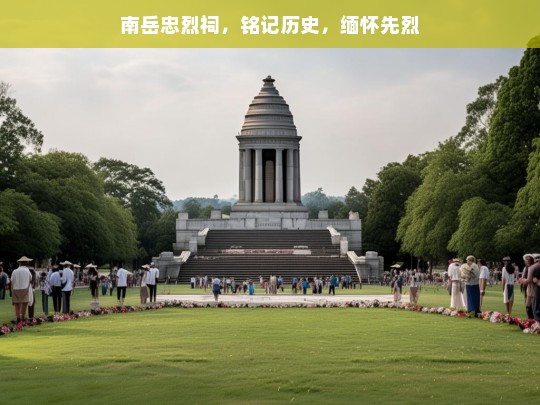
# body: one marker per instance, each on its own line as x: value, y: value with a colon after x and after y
x: 177, y: 111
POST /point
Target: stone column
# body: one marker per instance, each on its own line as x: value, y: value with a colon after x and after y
x: 247, y: 175
x: 290, y: 176
x: 241, y: 181
x: 258, y: 176
x: 279, y: 175
x: 296, y: 176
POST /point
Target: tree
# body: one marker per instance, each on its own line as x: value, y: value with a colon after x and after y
x: 338, y: 210
x: 431, y: 211
x: 478, y: 222
x: 356, y: 201
x: 315, y: 201
x: 24, y: 229
x: 17, y: 133
x: 136, y: 188
x: 92, y: 227
x: 192, y: 207
x: 474, y: 133
x: 396, y: 182
x: 523, y: 230
x: 515, y: 123
x: 139, y: 190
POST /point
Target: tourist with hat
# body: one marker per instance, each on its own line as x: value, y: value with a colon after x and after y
x: 21, y: 280
x: 456, y: 288
x: 470, y: 273
x: 121, y: 284
x: 93, y: 277
x: 68, y: 278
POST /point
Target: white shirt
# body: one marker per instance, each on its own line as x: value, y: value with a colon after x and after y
x: 122, y: 275
x: 153, y: 274
x: 453, y: 272
x: 21, y: 278
x: 54, y: 279
x: 67, y: 278
x: 508, y: 277
x: 484, y: 273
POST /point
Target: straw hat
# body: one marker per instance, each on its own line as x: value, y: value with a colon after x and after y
x: 66, y: 263
x: 24, y: 259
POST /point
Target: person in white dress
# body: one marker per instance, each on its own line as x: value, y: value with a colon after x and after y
x: 454, y: 278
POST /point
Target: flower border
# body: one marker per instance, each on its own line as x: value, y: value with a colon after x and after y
x: 526, y: 325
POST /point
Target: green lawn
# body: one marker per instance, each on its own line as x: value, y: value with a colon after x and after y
x: 260, y: 356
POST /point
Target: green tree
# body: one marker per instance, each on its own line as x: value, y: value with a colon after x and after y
x: 523, y: 230
x: 17, y: 134
x: 137, y: 188
x: 24, y: 229
x: 338, y: 210
x: 65, y: 185
x: 474, y: 133
x: 396, y: 182
x: 515, y: 123
x: 356, y: 201
x: 478, y: 222
x: 315, y: 201
x: 192, y: 207
x: 431, y: 211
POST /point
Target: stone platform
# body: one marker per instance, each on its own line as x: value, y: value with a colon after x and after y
x: 280, y: 298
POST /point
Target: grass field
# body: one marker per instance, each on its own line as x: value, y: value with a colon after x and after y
x: 265, y: 356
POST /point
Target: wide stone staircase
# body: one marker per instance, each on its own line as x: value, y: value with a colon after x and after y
x: 246, y: 254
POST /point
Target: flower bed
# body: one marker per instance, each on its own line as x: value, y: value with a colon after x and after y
x: 527, y: 325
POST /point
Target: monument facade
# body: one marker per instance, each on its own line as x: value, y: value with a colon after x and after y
x: 269, y: 159
x: 269, y: 182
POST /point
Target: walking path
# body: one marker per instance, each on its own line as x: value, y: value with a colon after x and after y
x: 280, y: 298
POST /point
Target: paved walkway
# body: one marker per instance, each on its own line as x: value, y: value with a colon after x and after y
x: 280, y: 298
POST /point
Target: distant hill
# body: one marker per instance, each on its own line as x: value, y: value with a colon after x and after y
x: 214, y: 202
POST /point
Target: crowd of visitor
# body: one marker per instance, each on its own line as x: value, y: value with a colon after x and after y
x: 58, y: 282
x: 466, y: 282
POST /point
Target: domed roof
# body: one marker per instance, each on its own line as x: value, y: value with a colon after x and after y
x: 269, y: 114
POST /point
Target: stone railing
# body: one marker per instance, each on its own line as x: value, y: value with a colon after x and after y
x: 334, y: 234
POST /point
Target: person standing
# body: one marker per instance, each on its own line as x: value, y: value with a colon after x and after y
x: 144, y: 287
x: 332, y: 285
x: 55, y: 281
x: 470, y: 274
x: 535, y: 274
x: 93, y: 279
x: 68, y: 278
x: 34, y: 284
x: 45, y: 288
x: 113, y: 279
x: 397, y: 285
x: 21, y: 288
x: 294, y: 285
x: 413, y: 288
x: 4, y: 280
x: 121, y: 284
x: 527, y: 285
x: 483, y: 280
x: 508, y: 284
x: 216, y: 288
x: 151, y: 281
x: 454, y: 278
